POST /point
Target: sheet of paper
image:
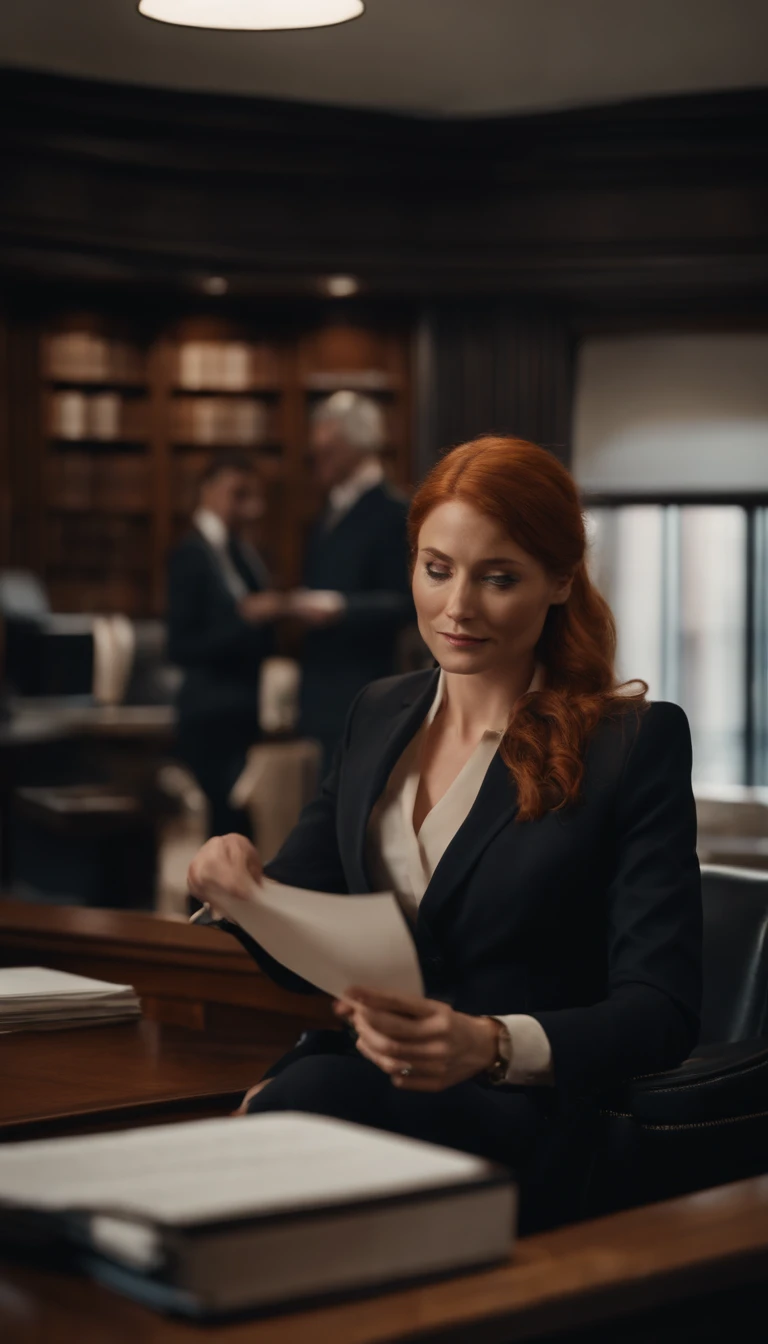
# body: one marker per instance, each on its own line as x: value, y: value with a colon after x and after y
x: 332, y: 941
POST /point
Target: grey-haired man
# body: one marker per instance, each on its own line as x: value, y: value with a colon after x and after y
x: 356, y: 596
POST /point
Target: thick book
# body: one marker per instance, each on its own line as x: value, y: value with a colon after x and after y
x: 254, y: 1213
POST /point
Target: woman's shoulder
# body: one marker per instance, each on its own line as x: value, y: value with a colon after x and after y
x: 655, y: 729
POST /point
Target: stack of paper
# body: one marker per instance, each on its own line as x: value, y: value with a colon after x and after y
x: 34, y: 997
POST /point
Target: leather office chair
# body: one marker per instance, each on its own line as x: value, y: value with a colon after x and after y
x: 706, y: 1122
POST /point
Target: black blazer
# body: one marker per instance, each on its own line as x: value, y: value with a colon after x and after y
x: 220, y: 652
x: 364, y: 556
x: 588, y: 919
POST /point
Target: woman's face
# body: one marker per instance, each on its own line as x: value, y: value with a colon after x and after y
x: 481, y: 600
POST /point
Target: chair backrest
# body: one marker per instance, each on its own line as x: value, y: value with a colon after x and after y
x: 735, y: 1006
x: 22, y: 596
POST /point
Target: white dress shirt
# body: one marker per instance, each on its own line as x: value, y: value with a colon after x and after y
x: 344, y: 497
x: 402, y: 860
x: 214, y: 530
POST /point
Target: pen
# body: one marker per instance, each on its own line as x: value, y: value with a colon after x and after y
x: 203, y: 908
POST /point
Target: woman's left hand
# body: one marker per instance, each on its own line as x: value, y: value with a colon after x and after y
x: 424, y: 1045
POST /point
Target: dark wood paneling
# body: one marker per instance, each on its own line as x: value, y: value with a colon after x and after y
x: 493, y: 368
x: 26, y: 548
x: 6, y: 490
x: 663, y: 198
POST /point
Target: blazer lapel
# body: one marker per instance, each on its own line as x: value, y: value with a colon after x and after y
x: 376, y: 767
x: 494, y: 806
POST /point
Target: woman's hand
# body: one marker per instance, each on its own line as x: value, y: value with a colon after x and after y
x: 228, y: 865
x: 424, y: 1045
x: 250, y: 1094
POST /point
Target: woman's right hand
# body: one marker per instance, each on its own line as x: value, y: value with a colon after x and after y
x: 228, y: 865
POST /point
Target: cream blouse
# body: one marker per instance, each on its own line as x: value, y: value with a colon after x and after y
x: 401, y: 860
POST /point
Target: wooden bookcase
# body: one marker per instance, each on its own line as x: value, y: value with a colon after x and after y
x: 129, y: 415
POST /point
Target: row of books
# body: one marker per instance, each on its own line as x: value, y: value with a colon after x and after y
x: 96, y: 415
x: 239, y: 421
x: 119, y: 481
x: 232, y: 366
x: 83, y: 356
x: 98, y: 542
x: 122, y: 482
x: 93, y: 590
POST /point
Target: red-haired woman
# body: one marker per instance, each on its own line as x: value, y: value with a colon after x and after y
x: 536, y: 821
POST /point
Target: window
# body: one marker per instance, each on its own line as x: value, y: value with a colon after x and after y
x: 688, y: 585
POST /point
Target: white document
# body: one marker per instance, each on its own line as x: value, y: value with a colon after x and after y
x: 332, y: 941
x: 35, y: 996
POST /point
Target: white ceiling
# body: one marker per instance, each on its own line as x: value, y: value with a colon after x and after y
x: 435, y: 57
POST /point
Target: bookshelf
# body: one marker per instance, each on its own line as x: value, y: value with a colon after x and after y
x: 130, y: 413
x: 96, y: 466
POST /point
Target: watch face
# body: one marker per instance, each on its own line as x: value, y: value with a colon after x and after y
x: 498, y: 1070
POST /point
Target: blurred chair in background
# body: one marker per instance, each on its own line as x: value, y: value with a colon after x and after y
x: 82, y: 814
x: 109, y: 659
x: 221, y: 615
x: 45, y: 654
x: 732, y: 824
x: 357, y: 594
x: 706, y: 1122
x: 279, y: 778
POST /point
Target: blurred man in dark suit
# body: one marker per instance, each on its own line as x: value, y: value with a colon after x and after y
x: 221, y: 615
x: 357, y: 595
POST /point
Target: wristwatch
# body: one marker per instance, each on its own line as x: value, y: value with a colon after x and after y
x: 497, y: 1071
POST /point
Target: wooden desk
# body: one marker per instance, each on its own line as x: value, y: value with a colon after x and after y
x: 41, y: 719
x: 101, y: 1077
x: 186, y: 974
x: 603, y: 1271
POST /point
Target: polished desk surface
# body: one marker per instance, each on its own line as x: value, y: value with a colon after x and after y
x: 186, y: 974
x: 575, y: 1276
x: 47, y: 720
x: 137, y: 1073
x: 119, y: 1074
x: 139, y: 932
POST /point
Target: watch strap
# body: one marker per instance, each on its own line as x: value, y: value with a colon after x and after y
x: 497, y: 1071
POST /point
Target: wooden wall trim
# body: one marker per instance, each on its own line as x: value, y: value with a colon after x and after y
x: 667, y: 198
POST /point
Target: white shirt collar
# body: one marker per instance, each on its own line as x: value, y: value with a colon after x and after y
x: 537, y: 681
x: 369, y: 474
x: 212, y: 527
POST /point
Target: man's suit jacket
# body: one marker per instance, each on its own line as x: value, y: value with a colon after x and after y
x: 588, y: 919
x: 220, y: 652
x: 364, y: 556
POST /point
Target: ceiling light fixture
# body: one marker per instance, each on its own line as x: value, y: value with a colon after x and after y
x: 340, y: 286
x: 252, y: 15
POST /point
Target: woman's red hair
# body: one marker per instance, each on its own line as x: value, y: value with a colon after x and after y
x: 535, y: 499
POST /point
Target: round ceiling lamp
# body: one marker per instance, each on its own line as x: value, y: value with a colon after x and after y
x: 252, y: 15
